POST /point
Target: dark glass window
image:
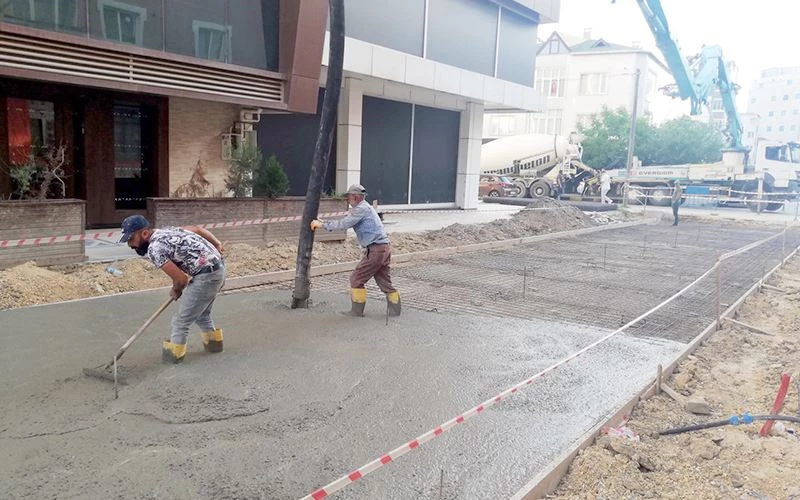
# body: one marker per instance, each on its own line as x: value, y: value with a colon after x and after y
x: 243, y: 32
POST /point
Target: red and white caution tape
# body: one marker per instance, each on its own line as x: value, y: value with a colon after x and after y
x: 459, y: 210
x: 415, y: 443
x: 56, y: 239
x: 49, y: 240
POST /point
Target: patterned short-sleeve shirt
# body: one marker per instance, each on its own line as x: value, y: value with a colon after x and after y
x: 189, y: 251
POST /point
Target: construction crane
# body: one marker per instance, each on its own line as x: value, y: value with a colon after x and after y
x: 697, y: 77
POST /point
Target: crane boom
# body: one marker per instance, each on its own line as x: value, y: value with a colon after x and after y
x: 695, y: 79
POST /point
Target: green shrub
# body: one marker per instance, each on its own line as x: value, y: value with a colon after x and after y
x: 269, y: 179
x: 241, y: 170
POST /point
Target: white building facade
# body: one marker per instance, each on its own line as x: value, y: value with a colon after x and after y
x: 775, y: 98
x: 418, y: 76
x: 579, y: 77
x: 750, y: 132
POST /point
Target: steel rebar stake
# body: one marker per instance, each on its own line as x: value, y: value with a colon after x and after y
x: 719, y: 292
x: 783, y: 242
x: 524, y: 280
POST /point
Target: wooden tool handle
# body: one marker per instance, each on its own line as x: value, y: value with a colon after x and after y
x: 140, y: 330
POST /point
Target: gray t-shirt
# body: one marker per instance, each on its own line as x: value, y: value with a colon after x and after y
x: 189, y: 251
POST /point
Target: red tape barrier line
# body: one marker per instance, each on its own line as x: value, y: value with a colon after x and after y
x: 49, y: 240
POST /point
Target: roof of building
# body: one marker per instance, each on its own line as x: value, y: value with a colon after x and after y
x: 583, y: 46
x: 598, y: 46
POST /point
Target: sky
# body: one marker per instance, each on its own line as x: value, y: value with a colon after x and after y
x: 754, y: 38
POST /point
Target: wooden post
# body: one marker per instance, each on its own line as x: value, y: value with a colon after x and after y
x: 658, y: 380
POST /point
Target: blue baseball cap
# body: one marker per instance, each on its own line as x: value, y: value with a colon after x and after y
x: 132, y: 224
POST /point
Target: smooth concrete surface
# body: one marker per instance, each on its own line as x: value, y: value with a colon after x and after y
x: 297, y: 399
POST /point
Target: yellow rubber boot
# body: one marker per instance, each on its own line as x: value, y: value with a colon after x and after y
x: 212, y: 341
x: 358, y: 299
x: 393, y: 300
x: 172, y: 353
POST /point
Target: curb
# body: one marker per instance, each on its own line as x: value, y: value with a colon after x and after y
x: 322, y: 270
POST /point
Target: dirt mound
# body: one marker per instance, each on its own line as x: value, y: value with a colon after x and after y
x: 243, y: 260
x: 545, y: 216
x: 28, y: 284
x: 137, y: 274
x: 735, y: 371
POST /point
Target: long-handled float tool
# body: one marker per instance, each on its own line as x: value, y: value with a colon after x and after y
x: 108, y: 371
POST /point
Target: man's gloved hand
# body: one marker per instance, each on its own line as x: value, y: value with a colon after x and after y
x: 316, y: 224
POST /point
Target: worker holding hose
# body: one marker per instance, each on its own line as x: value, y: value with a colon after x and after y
x: 377, y: 251
x: 192, y: 257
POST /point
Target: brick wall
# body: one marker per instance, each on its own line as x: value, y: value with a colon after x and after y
x: 39, y: 219
x: 195, y: 129
x: 189, y: 211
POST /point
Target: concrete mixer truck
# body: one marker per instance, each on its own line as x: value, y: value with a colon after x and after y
x: 534, y: 161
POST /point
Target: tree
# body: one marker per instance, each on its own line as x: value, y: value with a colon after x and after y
x: 684, y: 140
x: 322, y: 151
x: 605, y: 143
x: 679, y: 141
x: 269, y: 179
x: 246, y: 160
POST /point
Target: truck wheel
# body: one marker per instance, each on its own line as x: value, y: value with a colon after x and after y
x: 540, y: 189
x: 753, y: 202
x: 772, y: 207
x: 661, y: 197
x: 522, y: 189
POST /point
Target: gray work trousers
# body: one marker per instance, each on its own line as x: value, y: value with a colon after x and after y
x: 195, y: 305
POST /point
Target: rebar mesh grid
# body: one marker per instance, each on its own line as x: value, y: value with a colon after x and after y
x: 603, y: 279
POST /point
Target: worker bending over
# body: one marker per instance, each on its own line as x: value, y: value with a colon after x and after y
x: 192, y: 257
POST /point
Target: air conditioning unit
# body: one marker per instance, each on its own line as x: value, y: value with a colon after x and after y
x: 242, y: 127
x: 250, y: 115
x: 230, y: 142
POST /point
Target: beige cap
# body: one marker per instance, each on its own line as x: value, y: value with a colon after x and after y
x: 356, y: 189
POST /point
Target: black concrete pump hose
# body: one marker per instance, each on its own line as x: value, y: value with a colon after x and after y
x: 733, y: 420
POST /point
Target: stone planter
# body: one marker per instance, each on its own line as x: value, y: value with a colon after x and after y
x: 164, y: 212
x: 29, y: 219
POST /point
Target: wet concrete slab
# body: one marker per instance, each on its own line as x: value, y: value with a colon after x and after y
x: 297, y: 399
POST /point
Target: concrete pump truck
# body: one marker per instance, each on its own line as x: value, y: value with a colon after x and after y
x: 534, y: 161
x: 774, y: 174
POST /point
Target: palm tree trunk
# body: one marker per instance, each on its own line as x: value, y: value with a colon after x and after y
x: 322, y: 152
